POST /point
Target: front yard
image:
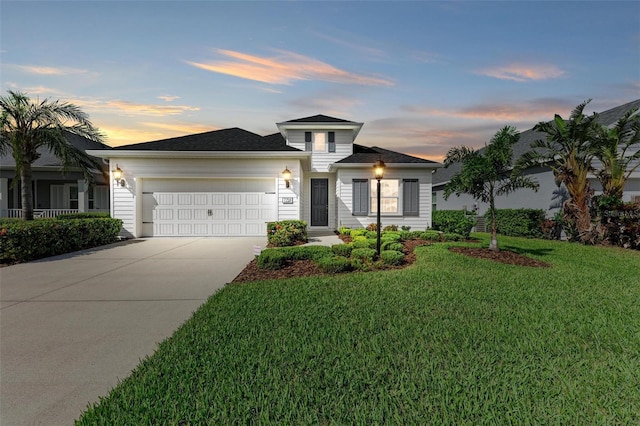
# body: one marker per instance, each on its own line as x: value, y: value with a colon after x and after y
x: 449, y: 340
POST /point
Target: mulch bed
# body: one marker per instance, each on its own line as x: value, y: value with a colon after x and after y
x: 306, y: 268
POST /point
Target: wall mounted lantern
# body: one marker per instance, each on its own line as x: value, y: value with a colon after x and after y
x: 117, y: 176
x: 378, y: 168
x: 286, y: 175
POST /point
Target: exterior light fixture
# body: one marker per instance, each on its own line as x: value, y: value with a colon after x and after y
x: 378, y: 168
x: 117, y: 176
x: 286, y: 175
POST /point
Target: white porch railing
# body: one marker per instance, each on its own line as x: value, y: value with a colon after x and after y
x: 50, y: 213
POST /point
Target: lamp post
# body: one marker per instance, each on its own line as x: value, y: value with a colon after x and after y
x: 379, y: 173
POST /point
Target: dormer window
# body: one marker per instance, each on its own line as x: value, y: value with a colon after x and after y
x: 317, y: 141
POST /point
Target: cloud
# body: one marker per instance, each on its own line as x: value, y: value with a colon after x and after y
x: 284, y: 68
x: 363, y: 50
x: 168, y: 98
x: 181, y: 128
x: 42, y: 70
x: 523, y: 72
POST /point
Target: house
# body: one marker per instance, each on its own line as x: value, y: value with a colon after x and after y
x: 54, y: 192
x: 526, y: 198
x: 230, y: 182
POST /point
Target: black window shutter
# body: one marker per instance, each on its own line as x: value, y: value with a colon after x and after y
x: 360, y: 197
x: 307, y: 141
x: 332, y: 141
x: 410, y: 198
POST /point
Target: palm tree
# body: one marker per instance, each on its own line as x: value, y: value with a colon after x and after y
x: 29, y: 125
x: 487, y: 173
x: 613, y: 151
x: 568, y: 150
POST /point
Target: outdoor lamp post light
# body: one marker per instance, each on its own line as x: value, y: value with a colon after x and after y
x: 286, y: 175
x: 379, y: 173
x: 117, y: 176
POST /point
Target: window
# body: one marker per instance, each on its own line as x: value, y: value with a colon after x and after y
x: 319, y: 142
x: 360, y: 197
x: 389, y: 195
x: 307, y: 141
x: 332, y: 141
x: 410, y: 194
x: 73, y: 196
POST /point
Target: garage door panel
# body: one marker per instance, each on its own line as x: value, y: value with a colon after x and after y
x: 234, y: 214
x: 185, y: 214
x: 252, y: 214
x: 234, y: 229
x: 218, y: 199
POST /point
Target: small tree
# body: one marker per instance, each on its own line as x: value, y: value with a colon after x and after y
x: 487, y: 173
x: 28, y: 125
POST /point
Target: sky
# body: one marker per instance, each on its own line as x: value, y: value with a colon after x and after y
x: 423, y: 76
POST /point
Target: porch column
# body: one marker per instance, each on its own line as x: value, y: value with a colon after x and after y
x: 4, y: 197
x: 83, y: 196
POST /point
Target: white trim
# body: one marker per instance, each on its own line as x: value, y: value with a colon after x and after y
x: 388, y: 165
x: 197, y: 154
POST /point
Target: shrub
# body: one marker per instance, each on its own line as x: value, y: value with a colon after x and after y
x: 334, y: 264
x: 405, y: 228
x: 391, y: 245
x: 344, y: 230
x: 306, y: 252
x: 450, y: 236
x: 286, y: 232
x: 372, y: 227
x: 358, y: 233
x: 410, y: 235
x: 519, y: 222
x: 342, y: 249
x: 390, y: 228
x: 364, y: 254
x: 431, y: 235
x: 272, y: 259
x: 392, y: 257
x: 391, y: 236
x: 85, y: 215
x: 360, y: 242
x: 22, y: 241
x: 372, y: 234
x: 453, y: 221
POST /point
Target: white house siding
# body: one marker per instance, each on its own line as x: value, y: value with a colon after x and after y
x: 203, y: 175
x: 321, y: 160
x: 344, y: 186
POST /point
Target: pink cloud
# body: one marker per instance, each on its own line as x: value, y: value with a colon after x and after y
x: 284, y: 68
x: 523, y: 72
x: 42, y: 70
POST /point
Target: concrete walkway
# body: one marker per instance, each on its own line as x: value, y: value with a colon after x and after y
x: 72, y: 326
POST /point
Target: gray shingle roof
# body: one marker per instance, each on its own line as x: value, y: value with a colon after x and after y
x: 319, y: 119
x: 608, y: 118
x: 363, y: 154
x: 233, y: 139
x: 47, y: 159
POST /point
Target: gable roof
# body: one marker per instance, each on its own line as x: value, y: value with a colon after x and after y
x: 369, y: 155
x: 48, y: 159
x: 607, y: 118
x: 233, y: 139
x: 319, y: 118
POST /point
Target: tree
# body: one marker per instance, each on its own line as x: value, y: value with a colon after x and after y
x: 487, y: 173
x: 29, y: 125
x: 614, y: 152
x: 568, y: 150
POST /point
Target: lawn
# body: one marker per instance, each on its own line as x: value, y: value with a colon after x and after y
x: 449, y: 340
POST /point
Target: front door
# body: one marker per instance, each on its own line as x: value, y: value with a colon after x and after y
x: 319, y: 202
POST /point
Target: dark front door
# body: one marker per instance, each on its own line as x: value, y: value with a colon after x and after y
x: 319, y: 202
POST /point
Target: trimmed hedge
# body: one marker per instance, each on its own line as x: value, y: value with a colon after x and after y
x: 342, y: 249
x: 85, y: 215
x: 272, y: 259
x: 392, y: 257
x: 453, y: 221
x: 287, y: 232
x: 334, y: 264
x: 23, y: 241
x: 518, y: 222
x: 364, y: 254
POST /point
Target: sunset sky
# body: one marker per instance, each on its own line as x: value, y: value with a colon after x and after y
x: 423, y: 76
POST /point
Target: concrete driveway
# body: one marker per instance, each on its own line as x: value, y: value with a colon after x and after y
x: 72, y: 326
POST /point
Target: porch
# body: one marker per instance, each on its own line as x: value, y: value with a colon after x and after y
x: 45, y: 213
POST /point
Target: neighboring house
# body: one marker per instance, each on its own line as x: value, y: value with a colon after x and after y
x: 54, y: 192
x: 527, y: 198
x: 230, y: 182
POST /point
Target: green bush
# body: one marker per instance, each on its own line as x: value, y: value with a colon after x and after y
x: 22, y: 241
x: 371, y: 234
x: 392, y: 257
x: 391, y: 245
x: 286, y: 232
x: 85, y: 215
x: 405, y: 228
x: 431, y: 235
x: 410, y: 235
x: 391, y: 236
x: 364, y: 254
x: 306, y: 252
x: 451, y: 236
x: 342, y: 249
x: 453, y: 221
x: 363, y: 242
x: 372, y: 227
x: 518, y: 222
x: 272, y: 258
x: 334, y: 264
x: 345, y: 231
x: 390, y: 228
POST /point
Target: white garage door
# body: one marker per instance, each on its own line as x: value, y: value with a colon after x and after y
x: 189, y: 214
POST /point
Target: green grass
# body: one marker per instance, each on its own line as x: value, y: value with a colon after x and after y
x: 449, y: 340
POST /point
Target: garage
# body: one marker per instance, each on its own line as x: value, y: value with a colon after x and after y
x: 234, y: 208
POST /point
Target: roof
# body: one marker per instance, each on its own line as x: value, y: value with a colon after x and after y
x: 233, y: 139
x: 369, y: 155
x: 607, y: 118
x: 319, y: 118
x: 48, y: 159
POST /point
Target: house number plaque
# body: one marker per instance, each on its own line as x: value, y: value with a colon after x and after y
x: 287, y: 200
